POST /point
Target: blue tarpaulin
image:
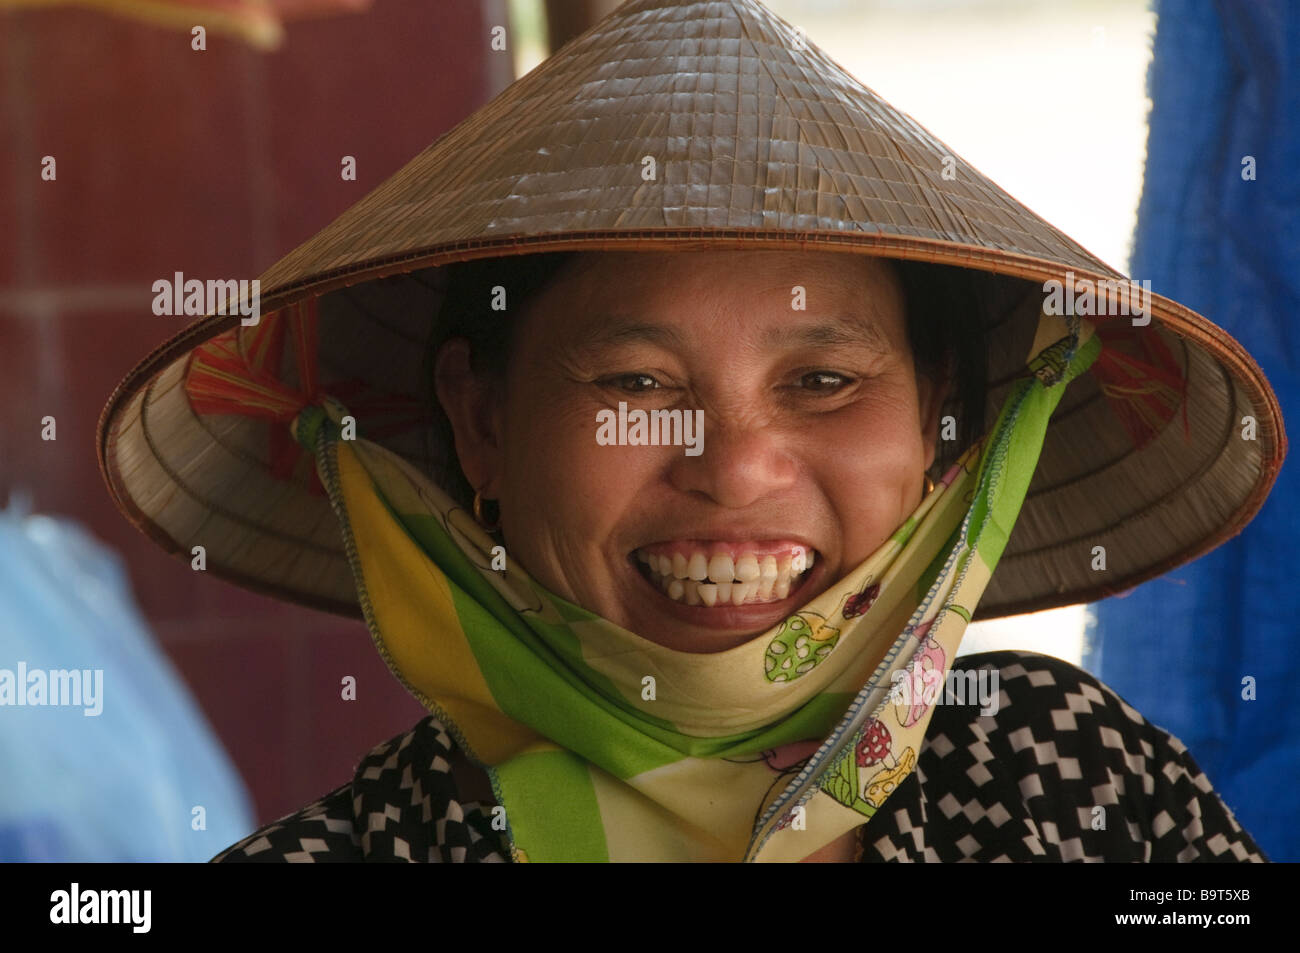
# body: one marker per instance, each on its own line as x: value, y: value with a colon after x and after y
x: 1219, y: 230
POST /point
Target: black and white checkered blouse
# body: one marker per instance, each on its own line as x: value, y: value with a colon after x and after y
x: 1022, y: 785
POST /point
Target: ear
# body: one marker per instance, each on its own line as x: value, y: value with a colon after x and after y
x: 931, y: 392
x: 473, y: 405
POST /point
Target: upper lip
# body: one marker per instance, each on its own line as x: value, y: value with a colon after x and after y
x: 731, y: 536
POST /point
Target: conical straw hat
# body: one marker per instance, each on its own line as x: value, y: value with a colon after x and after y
x: 1164, y: 450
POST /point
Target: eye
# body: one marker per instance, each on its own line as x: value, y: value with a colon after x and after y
x: 824, y: 381
x: 632, y: 383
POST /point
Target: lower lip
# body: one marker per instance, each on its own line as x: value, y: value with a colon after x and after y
x: 745, y: 617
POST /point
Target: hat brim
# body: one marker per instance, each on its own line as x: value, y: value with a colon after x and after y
x: 192, y: 479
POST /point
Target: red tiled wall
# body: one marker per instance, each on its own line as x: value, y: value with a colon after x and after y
x: 215, y: 164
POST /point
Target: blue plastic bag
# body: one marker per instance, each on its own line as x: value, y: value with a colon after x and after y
x: 124, y: 767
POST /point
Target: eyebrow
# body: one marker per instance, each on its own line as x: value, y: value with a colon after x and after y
x: 830, y: 332
x: 835, y: 331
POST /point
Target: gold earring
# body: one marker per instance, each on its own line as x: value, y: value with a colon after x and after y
x: 929, y: 485
x: 478, y: 515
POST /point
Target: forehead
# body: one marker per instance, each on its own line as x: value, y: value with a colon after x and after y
x: 607, y: 291
x: 828, y: 272
x: 774, y: 298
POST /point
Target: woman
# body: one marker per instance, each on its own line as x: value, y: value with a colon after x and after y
x: 737, y: 399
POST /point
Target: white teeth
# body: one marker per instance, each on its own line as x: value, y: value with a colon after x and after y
x: 721, y: 568
x: 747, y: 568
x: 722, y: 579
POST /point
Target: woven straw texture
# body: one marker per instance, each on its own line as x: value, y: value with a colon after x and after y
x: 758, y: 141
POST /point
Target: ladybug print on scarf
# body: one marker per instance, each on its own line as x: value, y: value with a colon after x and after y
x: 859, y: 603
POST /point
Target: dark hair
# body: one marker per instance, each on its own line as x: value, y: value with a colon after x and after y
x: 947, y: 314
x: 945, y: 326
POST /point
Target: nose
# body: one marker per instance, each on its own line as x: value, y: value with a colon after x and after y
x: 742, y: 463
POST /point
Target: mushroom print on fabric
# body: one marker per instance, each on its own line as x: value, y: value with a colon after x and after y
x: 803, y: 641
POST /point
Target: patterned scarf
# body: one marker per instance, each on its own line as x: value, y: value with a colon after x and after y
x: 604, y: 746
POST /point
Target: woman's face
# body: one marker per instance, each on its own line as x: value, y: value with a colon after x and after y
x: 816, y: 434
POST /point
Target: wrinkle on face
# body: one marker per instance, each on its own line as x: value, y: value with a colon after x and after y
x: 784, y: 445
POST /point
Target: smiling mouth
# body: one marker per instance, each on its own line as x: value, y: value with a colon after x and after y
x: 722, y: 574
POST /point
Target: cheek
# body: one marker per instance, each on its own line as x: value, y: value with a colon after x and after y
x: 878, y: 433
x: 557, y: 476
x: 870, y: 466
x: 874, y: 456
